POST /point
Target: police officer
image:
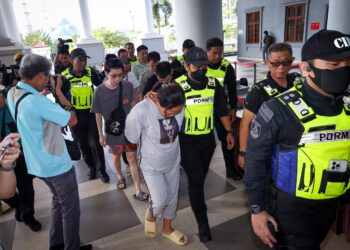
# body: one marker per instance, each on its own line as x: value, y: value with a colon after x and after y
x: 77, y: 86
x: 204, y: 96
x: 279, y: 61
x: 186, y: 45
x: 304, y: 135
x: 222, y: 70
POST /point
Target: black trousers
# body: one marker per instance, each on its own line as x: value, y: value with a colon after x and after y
x: 23, y: 201
x: 196, y: 154
x: 302, y: 224
x: 86, y: 133
x: 229, y: 155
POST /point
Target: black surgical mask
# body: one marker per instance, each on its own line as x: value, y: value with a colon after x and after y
x: 333, y: 81
x: 199, y: 75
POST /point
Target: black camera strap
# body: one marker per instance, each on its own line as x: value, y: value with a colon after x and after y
x: 18, y: 102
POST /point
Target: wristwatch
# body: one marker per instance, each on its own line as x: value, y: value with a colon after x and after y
x: 229, y: 131
x: 241, y: 153
x: 12, y: 168
x: 256, y: 209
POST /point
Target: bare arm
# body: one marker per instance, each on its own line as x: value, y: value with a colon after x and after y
x: 244, y: 128
x: 225, y: 120
x: 102, y: 138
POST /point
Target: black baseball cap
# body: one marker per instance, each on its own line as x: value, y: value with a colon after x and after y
x: 196, y: 56
x: 78, y: 52
x: 329, y: 45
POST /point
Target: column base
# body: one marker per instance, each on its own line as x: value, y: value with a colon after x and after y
x: 155, y: 42
x: 7, y: 53
x: 94, y: 49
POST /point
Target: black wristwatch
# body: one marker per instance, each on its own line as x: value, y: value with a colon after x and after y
x: 256, y: 209
x: 241, y: 153
x: 229, y: 131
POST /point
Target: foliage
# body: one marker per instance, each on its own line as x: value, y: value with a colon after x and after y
x: 39, y: 36
x: 110, y: 38
x: 162, y: 11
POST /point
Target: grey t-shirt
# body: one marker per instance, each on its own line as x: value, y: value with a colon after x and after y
x: 106, y: 100
x: 160, y: 150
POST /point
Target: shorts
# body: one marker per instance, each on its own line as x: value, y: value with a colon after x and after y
x: 119, y: 148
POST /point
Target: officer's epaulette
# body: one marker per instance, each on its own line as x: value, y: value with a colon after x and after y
x: 289, y: 96
x: 261, y: 84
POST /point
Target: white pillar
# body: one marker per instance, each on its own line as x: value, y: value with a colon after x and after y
x: 4, y: 37
x: 338, y: 16
x: 197, y: 20
x: 10, y: 20
x: 93, y: 48
x: 154, y: 41
x: 149, y: 16
x: 85, y: 18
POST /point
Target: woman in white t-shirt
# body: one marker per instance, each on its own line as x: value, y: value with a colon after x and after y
x: 155, y: 125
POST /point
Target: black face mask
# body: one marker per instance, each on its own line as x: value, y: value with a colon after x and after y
x: 333, y: 81
x: 199, y: 75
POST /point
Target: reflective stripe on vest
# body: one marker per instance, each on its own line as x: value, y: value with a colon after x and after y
x: 318, y: 167
x: 220, y: 72
x: 272, y: 92
x: 199, y: 109
x: 81, y: 89
x: 181, y: 59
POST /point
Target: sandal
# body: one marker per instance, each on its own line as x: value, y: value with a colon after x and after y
x: 176, y: 237
x: 141, y: 196
x: 121, y: 183
x: 150, y: 226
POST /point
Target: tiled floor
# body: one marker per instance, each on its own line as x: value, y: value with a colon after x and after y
x: 112, y: 219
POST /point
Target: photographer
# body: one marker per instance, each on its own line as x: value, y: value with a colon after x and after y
x: 62, y: 60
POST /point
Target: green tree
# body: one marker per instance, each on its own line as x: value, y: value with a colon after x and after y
x: 39, y: 36
x: 162, y: 11
x: 110, y: 38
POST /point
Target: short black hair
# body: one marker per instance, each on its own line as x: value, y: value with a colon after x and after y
x: 278, y: 47
x: 110, y: 56
x: 266, y: 32
x: 214, y: 42
x: 121, y: 51
x: 129, y: 43
x: 113, y: 64
x: 141, y: 47
x: 169, y: 95
x: 153, y: 56
x: 188, y: 43
x: 163, y: 69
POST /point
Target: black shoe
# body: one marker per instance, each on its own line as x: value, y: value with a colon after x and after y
x: 33, y: 224
x: 104, y: 176
x: 92, y: 174
x: 86, y: 247
x: 57, y: 247
x: 204, y: 233
x: 18, y: 216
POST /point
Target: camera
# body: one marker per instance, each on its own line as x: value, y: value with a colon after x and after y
x: 62, y: 46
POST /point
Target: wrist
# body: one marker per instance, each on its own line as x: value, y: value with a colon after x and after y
x: 256, y: 209
x: 8, y: 169
x: 241, y: 153
x: 230, y: 131
x: 68, y: 107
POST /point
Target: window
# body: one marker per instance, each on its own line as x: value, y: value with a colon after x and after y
x: 294, y: 28
x: 253, y: 27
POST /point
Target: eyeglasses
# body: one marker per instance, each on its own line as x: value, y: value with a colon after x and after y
x: 117, y: 75
x: 284, y: 63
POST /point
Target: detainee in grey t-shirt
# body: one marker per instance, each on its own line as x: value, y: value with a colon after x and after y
x: 160, y: 154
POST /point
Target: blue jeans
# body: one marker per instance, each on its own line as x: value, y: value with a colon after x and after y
x: 65, y: 210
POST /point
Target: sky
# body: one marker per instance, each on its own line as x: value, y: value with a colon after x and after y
x: 112, y: 14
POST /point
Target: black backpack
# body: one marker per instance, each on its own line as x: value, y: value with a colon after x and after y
x: 115, y: 124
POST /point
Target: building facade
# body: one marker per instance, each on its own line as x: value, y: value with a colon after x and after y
x: 291, y: 21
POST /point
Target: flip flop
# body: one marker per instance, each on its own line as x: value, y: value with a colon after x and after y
x: 176, y: 237
x: 141, y: 196
x: 150, y: 226
x: 121, y: 183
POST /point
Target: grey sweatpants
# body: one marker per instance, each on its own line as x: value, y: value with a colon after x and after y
x: 65, y: 212
x: 164, y: 190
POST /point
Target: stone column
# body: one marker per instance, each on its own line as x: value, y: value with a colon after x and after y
x: 93, y: 48
x: 152, y: 40
x: 197, y: 20
x: 338, y: 16
x: 10, y: 20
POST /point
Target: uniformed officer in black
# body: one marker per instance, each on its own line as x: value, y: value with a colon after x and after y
x: 301, y: 140
x: 279, y: 62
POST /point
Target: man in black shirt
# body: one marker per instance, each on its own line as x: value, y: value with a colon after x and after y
x: 299, y: 145
x: 204, y: 96
x: 279, y: 61
x: 164, y: 73
x: 222, y: 70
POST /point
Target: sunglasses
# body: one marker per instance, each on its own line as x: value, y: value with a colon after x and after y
x: 284, y: 63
